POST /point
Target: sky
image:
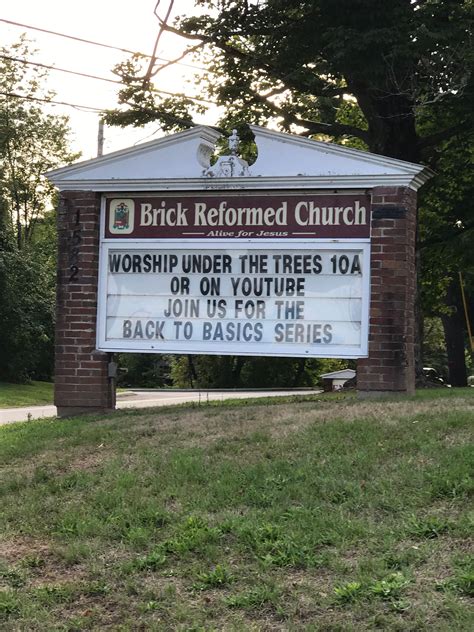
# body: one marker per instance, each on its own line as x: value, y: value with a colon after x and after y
x: 129, y: 25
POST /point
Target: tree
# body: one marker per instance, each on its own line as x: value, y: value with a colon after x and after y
x: 31, y: 142
x: 446, y: 237
x: 306, y: 63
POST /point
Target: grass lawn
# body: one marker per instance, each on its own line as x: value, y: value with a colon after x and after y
x: 335, y: 514
x: 33, y: 394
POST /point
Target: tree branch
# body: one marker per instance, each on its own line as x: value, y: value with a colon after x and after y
x: 314, y: 127
x: 163, y: 23
x: 188, y: 51
x: 287, y: 78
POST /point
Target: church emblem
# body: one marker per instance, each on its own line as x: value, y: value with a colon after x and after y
x: 121, y: 217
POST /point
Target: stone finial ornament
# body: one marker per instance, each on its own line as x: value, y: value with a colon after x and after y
x: 229, y: 166
x: 233, y: 142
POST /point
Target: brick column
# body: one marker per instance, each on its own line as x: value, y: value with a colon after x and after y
x: 390, y: 367
x: 81, y: 372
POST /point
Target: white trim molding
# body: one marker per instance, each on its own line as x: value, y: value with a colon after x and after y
x: 182, y: 162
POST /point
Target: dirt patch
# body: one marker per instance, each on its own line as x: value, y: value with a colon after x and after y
x: 38, y: 565
x: 89, y: 460
x: 13, y: 551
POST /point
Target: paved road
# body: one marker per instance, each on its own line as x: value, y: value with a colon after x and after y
x: 145, y: 399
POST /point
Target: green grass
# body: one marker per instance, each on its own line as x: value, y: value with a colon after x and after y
x: 315, y: 514
x: 18, y: 395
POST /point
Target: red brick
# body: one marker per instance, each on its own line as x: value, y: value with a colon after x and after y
x: 390, y: 366
x: 81, y: 374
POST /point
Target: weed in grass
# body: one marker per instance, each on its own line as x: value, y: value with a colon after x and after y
x: 9, y: 604
x: 50, y: 595
x: 42, y: 474
x: 74, y: 524
x: 96, y: 588
x: 216, y: 578
x: 390, y: 587
x: 462, y: 582
x: 348, y: 593
x: 429, y: 527
x: 32, y: 561
x: 452, y: 486
x: 256, y: 597
x: 138, y: 537
x: 193, y: 535
x: 12, y: 577
x: 412, y: 556
x: 154, y: 560
x: 151, y: 605
x: 464, y: 562
x: 74, y: 553
x: 77, y: 623
x: 276, y: 545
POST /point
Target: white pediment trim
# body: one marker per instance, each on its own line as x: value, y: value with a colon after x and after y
x: 285, y: 161
x: 367, y: 162
x: 193, y: 147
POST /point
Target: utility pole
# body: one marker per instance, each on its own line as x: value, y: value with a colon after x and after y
x: 100, y: 138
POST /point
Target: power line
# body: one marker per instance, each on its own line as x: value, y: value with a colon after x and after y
x: 52, y: 101
x: 169, y: 117
x: 94, y: 43
x: 72, y: 72
x: 89, y: 76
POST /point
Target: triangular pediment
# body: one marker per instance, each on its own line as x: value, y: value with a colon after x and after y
x: 181, y: 155
x: 282, y: 154
x: 182, y: 161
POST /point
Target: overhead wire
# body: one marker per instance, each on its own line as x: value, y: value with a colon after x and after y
x: 169, y: 117
x: 92, y: 109
x: 95, y: 43
x: 89, y: 76
x: 76, y: 106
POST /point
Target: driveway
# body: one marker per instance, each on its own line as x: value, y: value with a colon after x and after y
x: 145, y: 398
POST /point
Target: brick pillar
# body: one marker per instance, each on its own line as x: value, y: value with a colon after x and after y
x: 390, y: 367
x: 81, y: 372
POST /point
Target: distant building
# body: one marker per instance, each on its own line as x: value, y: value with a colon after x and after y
x: 336, y: 380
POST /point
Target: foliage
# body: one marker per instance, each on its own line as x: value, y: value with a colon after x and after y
x: 248, y: 372
x: 309, y: 64
x: 434, y: 350
x: 31, y: 143
x: 27, y: 303
x: 215, y: 578
x: 143, y: 369
x: 446, y: 222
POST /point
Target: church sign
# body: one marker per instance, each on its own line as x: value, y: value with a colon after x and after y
x: 243, y: 274
x: 255, y: 216
x: 308, y: 252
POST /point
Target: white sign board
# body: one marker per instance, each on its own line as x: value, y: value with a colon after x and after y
x: 286, y: 298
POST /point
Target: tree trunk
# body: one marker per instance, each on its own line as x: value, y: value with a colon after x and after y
x: 299, y: 372
x: 191, y: 371
x: 237, y: 370
x: 454, y: 333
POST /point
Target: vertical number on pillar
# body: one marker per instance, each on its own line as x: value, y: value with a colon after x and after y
x: 75, y: 240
